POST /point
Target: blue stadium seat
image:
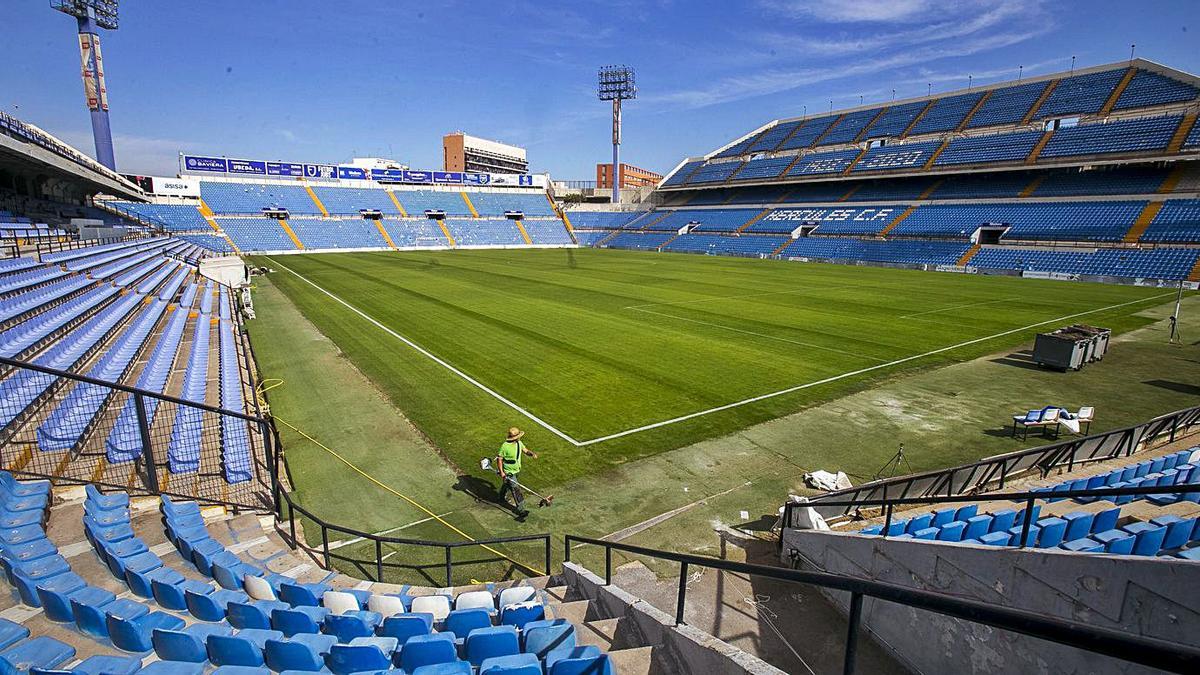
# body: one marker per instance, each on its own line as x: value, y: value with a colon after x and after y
x: 244, y: 648
x: 486, y: 643
x: 134, y: 635
x: 429, y: 649
x: 511, y: 664
x: 38, y: 652
x: 301, y: 619
x: 304, y: 651
x: 549, y: 635
x: 404, y: 626
x: 189, y: 644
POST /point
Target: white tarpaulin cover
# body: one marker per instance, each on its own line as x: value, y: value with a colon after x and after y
x: 804, y: 518
x: 823, y: 480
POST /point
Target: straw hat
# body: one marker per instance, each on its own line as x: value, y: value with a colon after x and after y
x: 514, y: 433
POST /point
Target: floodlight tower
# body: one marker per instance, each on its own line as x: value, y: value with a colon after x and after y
x: 617, y: 84
x: 92, y: 15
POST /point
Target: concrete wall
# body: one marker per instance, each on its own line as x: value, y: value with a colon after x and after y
x: 1153, y: 597
x: 678, y: 649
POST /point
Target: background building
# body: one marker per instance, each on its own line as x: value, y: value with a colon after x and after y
x: 631, y: 176
x: 461, y: 152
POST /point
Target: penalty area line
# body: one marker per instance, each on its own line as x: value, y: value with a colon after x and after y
x: 426, y: 353
x: 860, y: 371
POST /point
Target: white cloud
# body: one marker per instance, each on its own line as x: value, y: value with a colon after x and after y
x: 852, y: 11
x: 950, y: 30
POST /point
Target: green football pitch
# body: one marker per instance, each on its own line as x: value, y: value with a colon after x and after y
x: 605, y: 356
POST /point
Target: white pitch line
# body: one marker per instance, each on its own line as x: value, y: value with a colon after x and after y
x: 761, y: 335
x: 860, y: 371
x: 481, y: 386
x: 953, y: 307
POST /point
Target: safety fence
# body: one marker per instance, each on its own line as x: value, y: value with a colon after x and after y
x: 1152, y: 652
x: 993, y: 472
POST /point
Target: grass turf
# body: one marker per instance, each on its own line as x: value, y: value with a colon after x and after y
x: 597, y: 342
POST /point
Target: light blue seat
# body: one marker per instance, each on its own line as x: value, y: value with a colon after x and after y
x: 298, y: 620
x: 929, y: 533
x: 511, y: 664
x: 305, y: 651
x: 170, y: 588
x: 918, y: 523
x: 23, y: 488
x: 942, y: 517
x: 897, y: 528
x: 487, y: 643
x: 354, y: 624
x: 522, y: 613
x: 1079, y: 525
x: 1084, y: 545
x: 1003, y: 520
x: 241, y: 670
x: 133, y: 635
x: 1179, y: 530
x: 252, y: 614
x: 952, y: 531
x: 211, y: 606
x: 204, y: 559
x: 302, y: 595
x: 142, y: 583
x: 1117, y: 542
x: 579, y: 652
x: 189, y: 644
x: 977, y: 526
x: 1106, y: 520
x: 589, y: 665
x: 1190, y: 554
x: 98, y: 664
x: 344, y: 659
x: 1030, y: 537
x: 38, y: 652
x: 1149, y: 537
x: 245, y: 648
x: 404, y: 626
x: 423, y: 650
x: 28, y: 575
x: 18, y: 535
x: 873, y: 529
x: 996, y: 538
x: 542, y: 637
x: 1050, y: 532
x: 463, y: 621
x: 229, y: 575
x: 965, y: 513
x: 115, y: 500
x: 93, y: 619
x: 11, y: 633
x: 57, y: 605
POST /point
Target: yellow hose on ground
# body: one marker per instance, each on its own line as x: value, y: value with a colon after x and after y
x: 263, y: 387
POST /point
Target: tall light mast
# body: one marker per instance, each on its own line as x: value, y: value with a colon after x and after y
x: 91, y: 16
x: 617, y: 83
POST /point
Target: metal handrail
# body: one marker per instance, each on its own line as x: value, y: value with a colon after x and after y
x: 4, y: 360
x: 1029, y: 497
x: 379, y: 540
x: 1147, y: 651
x: 997, y: 469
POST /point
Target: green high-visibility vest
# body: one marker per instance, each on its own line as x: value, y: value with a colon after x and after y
x: 510, y: 454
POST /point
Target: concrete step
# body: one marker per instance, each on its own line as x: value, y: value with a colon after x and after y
x: 633, y: 661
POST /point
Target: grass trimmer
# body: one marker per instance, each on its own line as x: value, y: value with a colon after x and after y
x: 486, y: 465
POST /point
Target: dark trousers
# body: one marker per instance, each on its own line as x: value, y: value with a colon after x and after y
x: 510, y: 485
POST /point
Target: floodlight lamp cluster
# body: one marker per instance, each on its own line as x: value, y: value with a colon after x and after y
x: 617, y: 83
x: 104, y: 12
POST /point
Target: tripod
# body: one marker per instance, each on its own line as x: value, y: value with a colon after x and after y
x: 893, y: 465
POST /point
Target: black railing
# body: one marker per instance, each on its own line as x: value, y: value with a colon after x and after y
x: 1152, y: 652
x: 1029, y: 497
x: 377, y: 562
x: 993, y: 472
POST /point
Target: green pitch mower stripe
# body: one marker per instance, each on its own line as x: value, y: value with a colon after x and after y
x: 655, y: 425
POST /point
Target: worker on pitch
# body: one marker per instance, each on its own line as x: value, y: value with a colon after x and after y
x: 509, y: 464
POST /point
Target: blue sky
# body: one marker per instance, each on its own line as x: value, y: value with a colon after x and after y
x: 303, y: 80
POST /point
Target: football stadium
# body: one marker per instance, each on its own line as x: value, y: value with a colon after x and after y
x: 905, y: 386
